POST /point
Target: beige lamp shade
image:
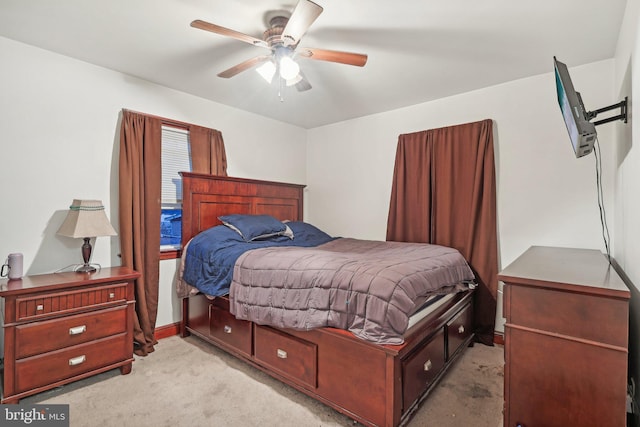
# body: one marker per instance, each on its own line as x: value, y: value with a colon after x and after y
x: 86, y: 218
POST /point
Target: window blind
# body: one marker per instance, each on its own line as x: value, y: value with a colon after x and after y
x: 176, y: 157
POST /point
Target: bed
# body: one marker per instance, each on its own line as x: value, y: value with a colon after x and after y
x: 374, y: 384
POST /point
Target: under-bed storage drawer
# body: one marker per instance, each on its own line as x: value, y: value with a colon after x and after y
x: 421, y: 368
x: 459, y: 330
x: 287, y: 355
x: 224, y: 327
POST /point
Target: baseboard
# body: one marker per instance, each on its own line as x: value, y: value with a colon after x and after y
x: 167, y: 331
x: 498, y: 338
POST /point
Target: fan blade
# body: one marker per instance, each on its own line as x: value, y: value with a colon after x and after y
x: 348, y: 58
x: 249, y: 63
x: 301, y: 19
x: 202, y: 25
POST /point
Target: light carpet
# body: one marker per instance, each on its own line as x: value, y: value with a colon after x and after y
x: 187, y: 382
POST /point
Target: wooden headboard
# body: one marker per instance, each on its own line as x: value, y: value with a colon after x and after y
x: 206, y: 197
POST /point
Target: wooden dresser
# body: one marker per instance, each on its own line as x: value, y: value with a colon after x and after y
x: 566, y: 339
x: 63, y: 327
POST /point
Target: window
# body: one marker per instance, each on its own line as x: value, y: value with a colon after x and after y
x: 176, y: 157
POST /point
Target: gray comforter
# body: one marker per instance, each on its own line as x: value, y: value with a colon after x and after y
x: 367, y: 287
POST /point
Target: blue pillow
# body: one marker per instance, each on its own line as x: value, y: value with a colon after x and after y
x: 254, y: 227
x: 306, y: 231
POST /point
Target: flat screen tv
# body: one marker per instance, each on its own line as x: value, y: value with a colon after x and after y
x: 581, y: 131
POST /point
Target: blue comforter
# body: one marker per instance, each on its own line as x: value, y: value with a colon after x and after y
x: 212, y: 254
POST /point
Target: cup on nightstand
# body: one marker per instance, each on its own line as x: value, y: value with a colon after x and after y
x: 13, y: 267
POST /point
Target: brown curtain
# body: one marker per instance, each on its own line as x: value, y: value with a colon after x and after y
x: 207, y: 151
x: 139, y: 194
x: 444, y: 193
x: 140, y: 205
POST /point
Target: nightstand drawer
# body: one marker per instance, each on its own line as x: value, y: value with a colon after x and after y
x: 64, y: 364
x: 34, y: 307
x: 68, y: 331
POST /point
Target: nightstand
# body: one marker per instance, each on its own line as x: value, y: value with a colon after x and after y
x: 63, y: 327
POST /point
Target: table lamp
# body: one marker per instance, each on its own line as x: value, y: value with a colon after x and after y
x: 86, y: 219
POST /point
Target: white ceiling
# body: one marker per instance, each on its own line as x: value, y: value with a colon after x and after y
x: 419, y: 50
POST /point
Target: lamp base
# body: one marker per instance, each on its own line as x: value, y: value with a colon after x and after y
x: 86, y: 268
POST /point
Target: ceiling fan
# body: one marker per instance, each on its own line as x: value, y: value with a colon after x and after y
x: 282, y: 38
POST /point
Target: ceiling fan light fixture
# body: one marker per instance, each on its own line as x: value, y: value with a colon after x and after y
x: 267, y: 71
x: 294, y: 81
x: 289, y: 68
x: 284, y: 30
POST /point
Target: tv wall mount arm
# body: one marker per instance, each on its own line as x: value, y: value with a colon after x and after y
x: 622, y: 105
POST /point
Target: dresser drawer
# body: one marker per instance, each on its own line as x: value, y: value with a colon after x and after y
x: 569, y: 313
x: 421, y: 368
x: 64, y: 364
x: 289, y: 356
x: 224, y: 327
x: 37, y: 306
x: 459, y: 330
x: 47, y: 335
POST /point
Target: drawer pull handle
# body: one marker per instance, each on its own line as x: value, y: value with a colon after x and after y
x: 77, y: 330
x: 77, y: 360
x: 428, y: 365
x: 281, y: 354
x: 461, y: 329
x: 40, y: 307
x: 227, y: 329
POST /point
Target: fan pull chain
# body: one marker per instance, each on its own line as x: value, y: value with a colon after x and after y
x: 280, y: 95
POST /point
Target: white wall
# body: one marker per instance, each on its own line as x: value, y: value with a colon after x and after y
x: 59, y: 141
x: 60, y: 131
x: 545, y: 195
x: 627, y: 197
x: 627, y: 83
